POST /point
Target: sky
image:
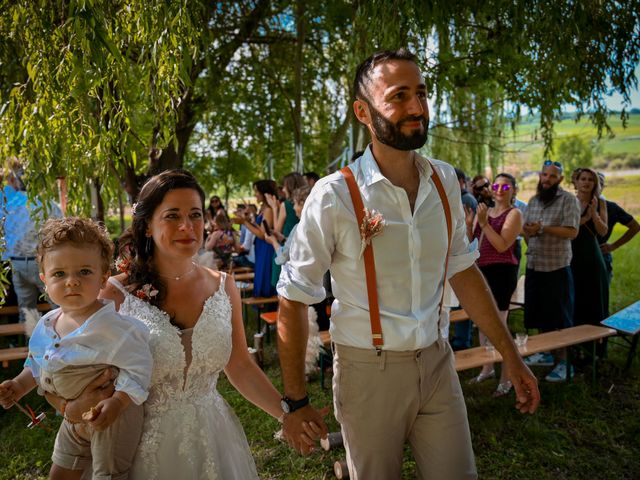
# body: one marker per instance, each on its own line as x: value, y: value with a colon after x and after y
x: 615, y: 101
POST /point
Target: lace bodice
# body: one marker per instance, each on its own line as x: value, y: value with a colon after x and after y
x: 207, y: 345
x: 184, y: 414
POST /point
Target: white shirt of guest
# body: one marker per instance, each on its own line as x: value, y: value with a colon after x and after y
x: 106, y: 337
x: 409, y: 254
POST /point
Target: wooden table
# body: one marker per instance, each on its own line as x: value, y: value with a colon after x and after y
x: 627, y: 323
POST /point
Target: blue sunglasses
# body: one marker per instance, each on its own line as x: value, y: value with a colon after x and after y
x: 555, y: 164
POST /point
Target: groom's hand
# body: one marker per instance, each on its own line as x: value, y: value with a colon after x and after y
x: 302, y: 428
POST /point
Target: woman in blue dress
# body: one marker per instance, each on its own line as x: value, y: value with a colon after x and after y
x: 263, y: 250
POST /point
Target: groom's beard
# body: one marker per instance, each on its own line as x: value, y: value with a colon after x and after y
x: 390, y: 133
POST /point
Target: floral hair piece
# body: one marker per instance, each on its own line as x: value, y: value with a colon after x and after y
x: 123, y: 264
x: 372, y: 225
x: 133, y: 208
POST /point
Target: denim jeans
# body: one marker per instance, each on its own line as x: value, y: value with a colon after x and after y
x: 27, y: 284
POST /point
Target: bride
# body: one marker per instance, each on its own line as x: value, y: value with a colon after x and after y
x: 196, y: 330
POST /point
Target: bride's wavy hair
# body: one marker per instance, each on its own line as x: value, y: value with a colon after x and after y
x: 134, y: 246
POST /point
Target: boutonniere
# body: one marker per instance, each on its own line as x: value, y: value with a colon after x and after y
x: 146, y: 292
x: 372, y: 225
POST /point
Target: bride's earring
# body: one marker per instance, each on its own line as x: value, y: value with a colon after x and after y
x: 147, y: 247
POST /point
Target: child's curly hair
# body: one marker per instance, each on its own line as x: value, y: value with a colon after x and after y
x: 77, y: 231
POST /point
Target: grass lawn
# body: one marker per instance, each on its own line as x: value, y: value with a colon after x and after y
x: 580, y: 431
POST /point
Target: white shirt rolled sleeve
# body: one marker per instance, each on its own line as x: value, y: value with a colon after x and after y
x: 409, y: 255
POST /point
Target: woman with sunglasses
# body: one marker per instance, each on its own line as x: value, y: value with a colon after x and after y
x: 587, y: 264
x: 496, y: 229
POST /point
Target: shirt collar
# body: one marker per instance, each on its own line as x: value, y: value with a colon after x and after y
x: 371, y: 170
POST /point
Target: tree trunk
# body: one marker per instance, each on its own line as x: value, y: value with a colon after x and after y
x: 298, y: 162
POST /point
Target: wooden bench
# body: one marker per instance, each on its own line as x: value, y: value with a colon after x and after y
x: 235, y: 270
x: 243, y: 277
x: 12, y: 329
x: 461, y: 315
x: 14, y: 309
x: 259, y: 303
x: 543, y: 342
x: 15, y: 353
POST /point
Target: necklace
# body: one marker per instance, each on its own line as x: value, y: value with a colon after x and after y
x: 178, y: 277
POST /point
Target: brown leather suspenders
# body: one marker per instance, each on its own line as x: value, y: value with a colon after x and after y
x: 369, y: 263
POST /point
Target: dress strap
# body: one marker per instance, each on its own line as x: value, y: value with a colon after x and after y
x: 118, y: 285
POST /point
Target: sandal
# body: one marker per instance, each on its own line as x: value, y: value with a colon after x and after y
x: 503, y: 389
x: 482, y: 377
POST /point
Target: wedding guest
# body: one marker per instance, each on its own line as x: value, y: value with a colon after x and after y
x: 462, y: 331
x: 615, y: 214
x: 311, y: 178
x: 73, y: 345
x: 263, y: 250
x: 216, y: 207
x: 221, y: 241
x: 481, y: 187
x: 496, y: 229
x: 21, y: 239
x: 196, y: 332
x: 551, y: 222
x: 284, y: 215
x: 587, y: 264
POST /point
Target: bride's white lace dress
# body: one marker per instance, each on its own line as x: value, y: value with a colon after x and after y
x: 189, y: 432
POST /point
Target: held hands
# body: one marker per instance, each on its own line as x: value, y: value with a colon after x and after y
x: 10, y: 391
x: 302, y: 428
x: 531, y: 229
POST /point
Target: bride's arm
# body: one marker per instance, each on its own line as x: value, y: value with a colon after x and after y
x: 243, y: 373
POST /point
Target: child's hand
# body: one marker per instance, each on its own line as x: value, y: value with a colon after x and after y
x: 9, y: 393
x: 105, y: 413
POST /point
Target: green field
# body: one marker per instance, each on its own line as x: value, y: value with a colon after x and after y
x: 525, y: 147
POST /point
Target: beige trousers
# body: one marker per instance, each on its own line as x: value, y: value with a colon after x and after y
x: 109, y: 452
x: 384, y: 401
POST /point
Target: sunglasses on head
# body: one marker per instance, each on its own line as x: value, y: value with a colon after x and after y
x: 505, y: 187
x: 554, y: 163
x: 481, y: 187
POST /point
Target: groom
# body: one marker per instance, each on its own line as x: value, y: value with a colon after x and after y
x: 400, y: 385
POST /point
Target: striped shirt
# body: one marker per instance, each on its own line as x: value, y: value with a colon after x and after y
x: 546, y: 252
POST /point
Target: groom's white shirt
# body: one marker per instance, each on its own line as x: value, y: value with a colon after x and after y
x: 409, y: 254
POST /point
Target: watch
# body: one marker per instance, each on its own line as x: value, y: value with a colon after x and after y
x: 290, y: 406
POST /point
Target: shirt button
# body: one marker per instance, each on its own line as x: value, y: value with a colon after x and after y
x: 46, y: 357
x: 56, y: 345
x: 47, y: 380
